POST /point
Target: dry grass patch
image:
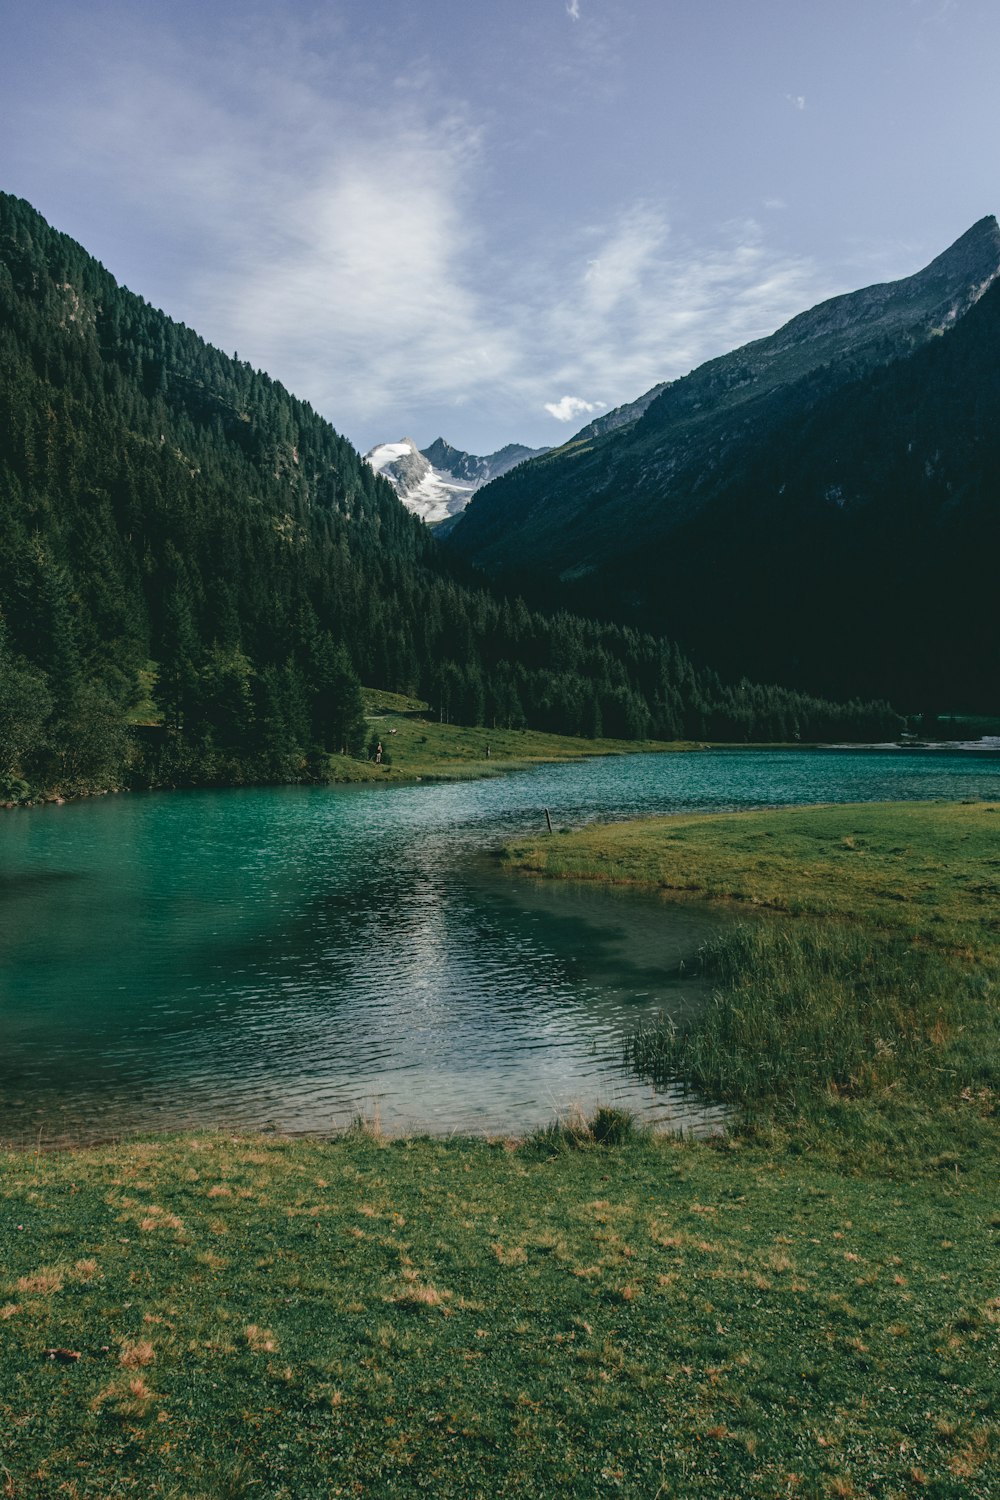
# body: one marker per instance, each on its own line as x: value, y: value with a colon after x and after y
x: 136, y: 1355
x: 513, y: 1255
x: 43, y: 1283
x: 157, y: 1218
x: 211, y: 1260
x: 129, y: 1399
x: 421, y: 1294
x: 260, y: 1340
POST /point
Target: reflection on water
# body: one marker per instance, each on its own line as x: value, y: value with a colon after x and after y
x: 299, y: 956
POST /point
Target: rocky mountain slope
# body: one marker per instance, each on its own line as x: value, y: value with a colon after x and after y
x: 621, y: 416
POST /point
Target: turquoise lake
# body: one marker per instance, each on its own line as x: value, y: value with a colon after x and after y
x: 294, y: 957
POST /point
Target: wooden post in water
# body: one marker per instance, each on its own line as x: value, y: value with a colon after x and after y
x: 547, y: 818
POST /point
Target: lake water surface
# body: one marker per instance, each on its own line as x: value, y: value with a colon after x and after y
x: 298, y: 956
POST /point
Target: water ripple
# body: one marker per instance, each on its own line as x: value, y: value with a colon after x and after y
x: 298, y: 956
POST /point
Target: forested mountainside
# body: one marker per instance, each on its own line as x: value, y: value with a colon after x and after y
x: 801, y: 508
x: 184, y: 543
x: 860, y: 537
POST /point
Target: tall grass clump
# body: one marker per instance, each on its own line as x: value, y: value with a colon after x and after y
x: 802, y: 1011
x: 608, y: 1126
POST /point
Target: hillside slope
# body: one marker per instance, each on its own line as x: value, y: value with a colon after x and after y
x: 196, y: 570
x: 633, y: 523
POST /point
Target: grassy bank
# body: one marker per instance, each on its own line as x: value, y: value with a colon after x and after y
x: 227, y: 1316
x: 870, y: 1024
x: 416, y: 747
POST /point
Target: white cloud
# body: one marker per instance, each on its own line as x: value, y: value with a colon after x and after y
x: 367, y: 284
x: 573, y: 9
x: 341, y: 243
x: 797, y: 101
x: 569, y: 407
x: 627, y: 256
x: 647, y: 305
x: 337, y: 248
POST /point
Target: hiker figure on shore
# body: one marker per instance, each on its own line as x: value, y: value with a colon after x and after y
x: 378, y: 753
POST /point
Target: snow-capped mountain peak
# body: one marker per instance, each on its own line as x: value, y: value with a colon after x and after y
x: 432, y: 491
x: 432, y: 494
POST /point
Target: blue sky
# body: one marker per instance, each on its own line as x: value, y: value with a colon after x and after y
x: 488, y: 218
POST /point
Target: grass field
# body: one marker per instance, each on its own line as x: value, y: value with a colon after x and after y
x: 226, y: 1316
x: 807, y: 1307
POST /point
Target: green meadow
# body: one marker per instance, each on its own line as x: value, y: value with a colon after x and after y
x: 416, y: 746
x: 226, y: 1316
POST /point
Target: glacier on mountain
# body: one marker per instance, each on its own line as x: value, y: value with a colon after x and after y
x: 439, y: 481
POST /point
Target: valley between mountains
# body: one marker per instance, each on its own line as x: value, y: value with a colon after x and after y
x: 206, y: 590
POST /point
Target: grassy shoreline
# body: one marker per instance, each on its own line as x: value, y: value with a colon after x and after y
x: 806, y: 1307
x: 418, y: 748
x: 863, y: 990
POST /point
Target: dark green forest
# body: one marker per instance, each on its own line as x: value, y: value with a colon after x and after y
x: 197, y: 572
x: 861, y: 535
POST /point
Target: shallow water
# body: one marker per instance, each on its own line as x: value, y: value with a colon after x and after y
x: 297, y: 956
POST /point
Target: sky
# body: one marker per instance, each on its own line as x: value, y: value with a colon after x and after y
x: 489, y: 220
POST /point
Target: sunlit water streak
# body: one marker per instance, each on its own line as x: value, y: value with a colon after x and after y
x: 296, y: 956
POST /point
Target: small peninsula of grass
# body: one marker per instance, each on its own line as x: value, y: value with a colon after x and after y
x: 926, y: 870
x: 867, y: 1009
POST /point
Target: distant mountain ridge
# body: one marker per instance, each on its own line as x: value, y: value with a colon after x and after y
x: 582, y: 504
x: 438, y: 482
x: 620, y: 416
x: 757, y: 511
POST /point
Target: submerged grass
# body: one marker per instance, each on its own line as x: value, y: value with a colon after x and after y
x: 802, y: 1012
